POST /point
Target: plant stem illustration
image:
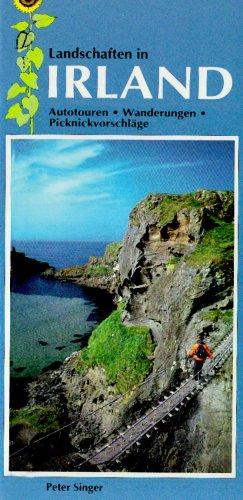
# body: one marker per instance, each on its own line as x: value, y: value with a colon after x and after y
x: 29, y: 60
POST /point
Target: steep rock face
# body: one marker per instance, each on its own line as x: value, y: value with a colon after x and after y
x: 71, y: 399
x: 208, y: 446
x: 175, y: 276
x: 170, y: 279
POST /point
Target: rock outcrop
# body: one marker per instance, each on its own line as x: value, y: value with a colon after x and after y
x: 99, y: 273
x: 176, y: 271
x: 174, y: 277
x: 23, y: 267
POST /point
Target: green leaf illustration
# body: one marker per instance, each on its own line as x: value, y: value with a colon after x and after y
x: 28, y: 63
x: 43, y: 20
x: 36, y: 56
x: 22, y: 119
x: 23, y: 63
x: 30, y: 79
x: 20, y: 26
x: 13, y: 112
x: 15, y: 90
x: 31, y: 104
x: 24, y: 40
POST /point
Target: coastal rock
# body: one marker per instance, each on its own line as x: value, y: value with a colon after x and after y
x: 175, y: 278
x: 23, y: 267
x: 173, y: 275
x: 99, y: 273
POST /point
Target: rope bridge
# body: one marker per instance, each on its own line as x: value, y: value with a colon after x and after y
x: 166, y: 408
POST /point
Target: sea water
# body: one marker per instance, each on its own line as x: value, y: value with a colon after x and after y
x: 50, y: 319
x: 61, y: 253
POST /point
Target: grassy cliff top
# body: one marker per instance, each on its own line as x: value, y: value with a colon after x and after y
x: 170, y: 205
x: 165, y: 206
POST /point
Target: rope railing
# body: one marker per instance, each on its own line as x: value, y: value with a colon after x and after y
x: 219, y: 358
x: 109, y: 403
x: 151, y: 377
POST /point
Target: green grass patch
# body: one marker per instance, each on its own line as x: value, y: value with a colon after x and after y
x: 172, y: 263
x: 121, y: 304
x: 217, y: 245
x: 41, y: 418
x: 172, y: 204
x: 112, y: 250
x: 97, y: 270
x: 89, y: 270
x: 228, y: 316
x: 175, y: 259
x: 121, y: 350
x: 167, y: 208
x: 198, y: 278
x: 216, y: 314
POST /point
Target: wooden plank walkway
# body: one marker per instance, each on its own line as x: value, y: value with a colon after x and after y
x: 173, y: 403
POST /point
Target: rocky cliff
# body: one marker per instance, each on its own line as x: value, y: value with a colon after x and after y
x: 175, y: 281
x: 23, y: 267
x: 100, y: 273
x: 176, y: 271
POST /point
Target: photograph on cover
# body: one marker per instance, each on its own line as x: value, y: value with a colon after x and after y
x: 120, y: 305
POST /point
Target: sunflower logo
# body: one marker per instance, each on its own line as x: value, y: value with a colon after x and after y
x: 27, y: 5
x: 29, y: 60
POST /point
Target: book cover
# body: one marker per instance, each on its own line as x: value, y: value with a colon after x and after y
x: 120, y: 251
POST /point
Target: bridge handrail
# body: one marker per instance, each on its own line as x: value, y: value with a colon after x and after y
x: 217, y: 359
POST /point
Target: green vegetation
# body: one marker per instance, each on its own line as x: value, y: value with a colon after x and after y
x: 95, y: 267
x: 121, y: 304
x: 121, y: 350
x: 150, y: 204
x: 217, y: 245
x: 228, y: 316
x: 167, y: 208
x: 171, y: 204
x: 112, y: 250
x: 172, y: 263
x: 41, y: 418
x: 198, y: 278
x: 96, y: 270
x: 216, y: 314
x: 89, y: 270
x: 134, y: 218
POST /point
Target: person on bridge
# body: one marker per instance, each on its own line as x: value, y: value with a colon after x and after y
x: 199, y: 352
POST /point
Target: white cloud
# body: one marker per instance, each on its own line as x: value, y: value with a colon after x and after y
x: 52, y: 154
x: 38, y: 170
x: 76, y: 181
x: 58, y: 173
x: 88, y: 197
x: 69, y: 159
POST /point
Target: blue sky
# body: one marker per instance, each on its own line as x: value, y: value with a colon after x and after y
x: 84, y: 189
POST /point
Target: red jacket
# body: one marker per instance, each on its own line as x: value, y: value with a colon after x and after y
x: 193, y: 352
